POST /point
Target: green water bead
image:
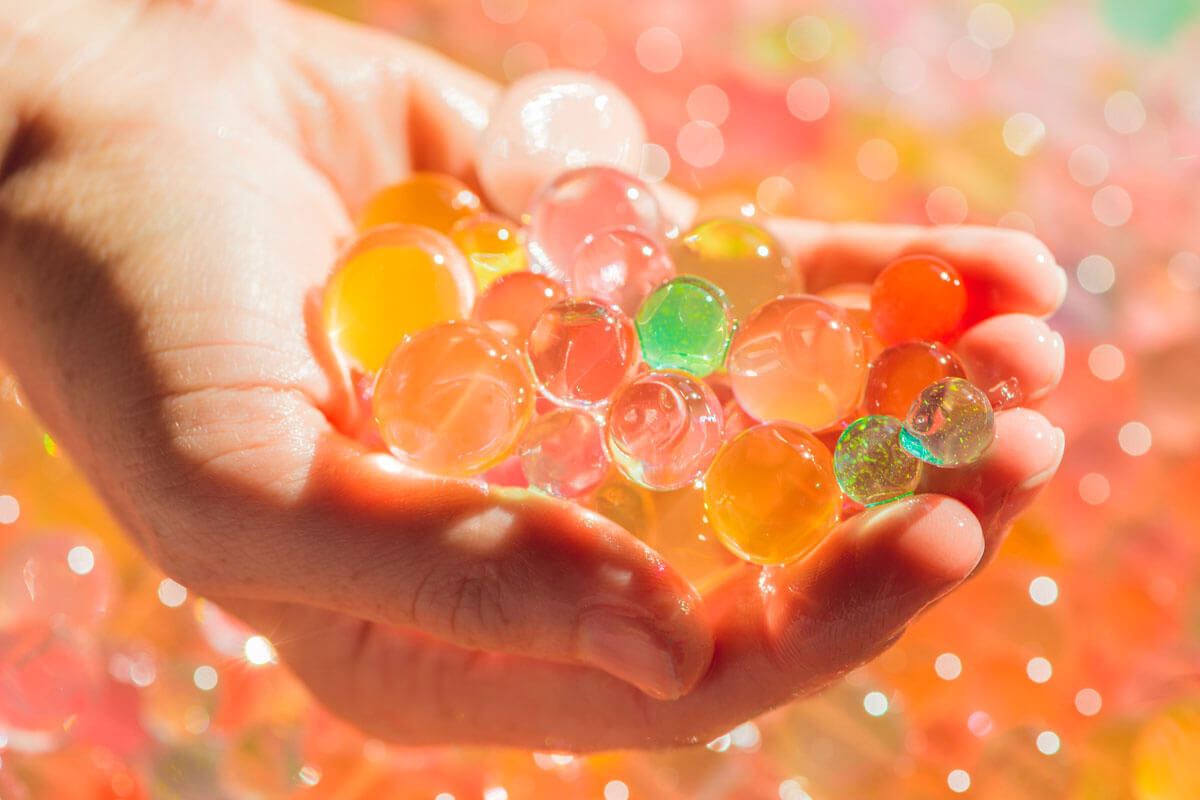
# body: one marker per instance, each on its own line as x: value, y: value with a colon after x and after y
x: 870, y: 464
x: 950, y: 424
x: 685, y: 324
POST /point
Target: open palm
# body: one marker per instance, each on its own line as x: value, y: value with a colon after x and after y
x: 170, y: 202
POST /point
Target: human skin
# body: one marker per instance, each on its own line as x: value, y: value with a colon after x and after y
x: 175, y: 180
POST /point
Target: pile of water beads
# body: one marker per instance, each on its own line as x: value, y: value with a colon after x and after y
x: 594, y: 352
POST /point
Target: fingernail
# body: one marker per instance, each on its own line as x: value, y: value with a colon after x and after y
x: 1040, y: 477
x: 1060, y: 276
x: 1062, y: 358
x: 626, y: 647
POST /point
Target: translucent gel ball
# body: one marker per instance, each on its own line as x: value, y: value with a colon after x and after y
x: 949, y: 424
x: 664, y: 429
x: 48, y: 674
x: 581, y: 351
x: 563, y: 453
x: 856, y: 299
x: 552, y: 121
x: 620, y: 266
x: 918, y: 297
x: 65, y: 577
x: 685, y: 324
x: 798, y: 359
x: 453, y: 400
x: 513, y: 303
x: 393, y: 281
x: 429, y: 199
x: 870, y: 464
x: 771, y: 494
x: 746, y: 261
x: 493, y: 245
x: 580, y: 203
x: 899, y: 373
x: 626, y: 503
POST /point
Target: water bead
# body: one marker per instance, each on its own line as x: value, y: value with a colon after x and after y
x: 580, y: 203
x: 1005, y: 394
x: 48, y: 675
x: 686, y: 324
x: 620, y: 266
x: 428, y: 199
x: 513, y: 303
x: 581, y: 351
x: 856, y: 299
x: 918, y: 297
x: 664, y: 429
x: 392, y: 281
x: 624, y: 502
x: 771, y: 494
x: 550, y: 121
x: 950, y: 423
x: 453, y: 399
x: 563, y: 453
x: 684, y: 538
x: 494, y: 246
x: 746, y: 261
x: 56, y: 577
x: 870, y: 464
x: 899, y: 373
x: 798, y: 359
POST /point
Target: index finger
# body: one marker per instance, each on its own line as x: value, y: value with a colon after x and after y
x: 1005, y: 271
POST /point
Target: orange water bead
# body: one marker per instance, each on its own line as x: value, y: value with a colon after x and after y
x: 429, y: 199
x: 493, y: 246
x: 918, y: 297
x: 771, y: 494
x: 454, y: 399
x: 393, y: 281
x: 856, y: 299
x: 900, y: 372
x: 513, y: 303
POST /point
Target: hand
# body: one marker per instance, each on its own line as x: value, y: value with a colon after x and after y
x: 176, y: 185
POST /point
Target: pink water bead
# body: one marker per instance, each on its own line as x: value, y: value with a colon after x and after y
x: 453, y: 399
x: 664, y: 429
x: 580, y: 203
x: 563, y: 453
x: 620, y: 266
x: 798, y: 359
x: 512, y: 303
x: 550, y: 121
x: 48, y: 675
x: 581, y: 351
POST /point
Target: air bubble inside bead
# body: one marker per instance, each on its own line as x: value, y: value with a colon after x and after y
x: 581, y: 351
x: 664, y: 429
x: 579, y: 204
x: 950, y: 424
x: 563, y: 453
x: 453, y: 400
x: 550, y: 121
x: 871, y: 465
x: 620, y: 266
x: 746, y: 261
x: 685, y: 324
x: 771, y: 494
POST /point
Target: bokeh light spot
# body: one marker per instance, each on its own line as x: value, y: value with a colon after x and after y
x: 809, y: 38
x: 902, y: 70
x: 875, y: 704
x: 1088, y: 702
x: 708, y: 103
x: 808, y: 99
x: 968, y: 58
x: 81, y: 560
x: 1088, y: 165
x: 1043, y: 590
x: 980, y: 723
x: 10, y: 509
x: 1112, y: 206
x: 656, y: 163
x: 1134, y: 438
x: 948, y: 666
x: 1106, y: 362
x: 991, y: 24
x: 745, y: 736
x: 958, y: 780
x: 1048, y: 742
x: 1023, y: 132
x: 1124, y: 112
x: 946, y: 205
x: 792, y: 789
x: 616, y: 790
x: 1183, y: 270
x: 774, y: 193
x: 259, y: 651
x: 1094, y: 488
x: 205, y: 678
x: 659, y: 49
x: 700, y: 144
x: 1038, y: 669
x: 1095, y: 274
x: 504, y: 12
x: 171, y: 594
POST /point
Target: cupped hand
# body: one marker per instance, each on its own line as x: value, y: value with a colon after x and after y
x: 177, y: 179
